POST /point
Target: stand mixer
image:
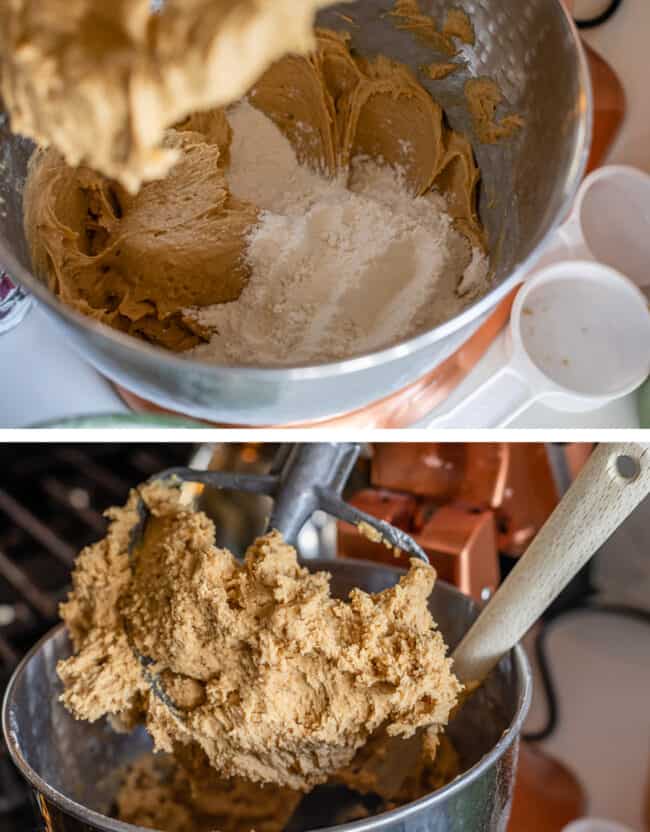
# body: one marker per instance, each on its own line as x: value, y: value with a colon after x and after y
x: 74, y: 767
x: 57, y: 755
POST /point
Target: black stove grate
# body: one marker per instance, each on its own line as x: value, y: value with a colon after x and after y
x: 51, y: 503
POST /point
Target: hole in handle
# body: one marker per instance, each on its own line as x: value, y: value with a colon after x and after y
x: 627, y: 467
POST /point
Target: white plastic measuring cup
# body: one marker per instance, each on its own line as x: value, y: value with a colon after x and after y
x: 579, y: 337
x: 596, y: 825
x: 609, y: 223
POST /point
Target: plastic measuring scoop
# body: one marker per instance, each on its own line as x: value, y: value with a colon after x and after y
x: 596, y: 825
x: 579, y: 337
x: 609, y: 223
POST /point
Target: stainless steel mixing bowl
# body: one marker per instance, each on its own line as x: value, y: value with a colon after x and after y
x: 531, y: 49
x: 73, y: 767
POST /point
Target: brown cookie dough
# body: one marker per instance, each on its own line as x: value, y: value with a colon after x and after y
x: 101, y: 82
x: 160, y: 792
x: 411, y: 18
x: 136, y: 262
x: 483, y: 97
x: 163, y: 792
x: 437, y: 71
x: 481, y: 94
x: 270, y: 677
x: 458, y: 25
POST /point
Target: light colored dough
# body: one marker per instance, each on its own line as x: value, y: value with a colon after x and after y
x: 101, y: 81
x: 169, y: 794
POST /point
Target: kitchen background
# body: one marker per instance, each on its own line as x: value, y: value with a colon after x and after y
x: 472, y: 507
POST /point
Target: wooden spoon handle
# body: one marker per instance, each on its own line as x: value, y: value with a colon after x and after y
x: 600, y: 499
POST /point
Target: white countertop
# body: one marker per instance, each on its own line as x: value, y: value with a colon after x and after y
x: 42, y: 378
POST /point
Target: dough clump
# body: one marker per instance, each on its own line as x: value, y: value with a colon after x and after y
x: 101, y: 81
x: 162, y: 792
x: 135, y: 262
x: 457, y: 25
x: 171, y: 794
x: 255, y: 665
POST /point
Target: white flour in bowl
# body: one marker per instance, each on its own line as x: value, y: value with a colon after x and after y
x: 338, y: 268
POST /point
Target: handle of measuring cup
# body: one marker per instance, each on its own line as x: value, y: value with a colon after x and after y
x: 494, y: 404
x: 565, y: 243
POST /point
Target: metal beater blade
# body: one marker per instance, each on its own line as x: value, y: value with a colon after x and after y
x: 303, y: 479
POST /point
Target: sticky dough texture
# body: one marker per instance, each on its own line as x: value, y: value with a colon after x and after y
x: 173, y: 794
x: 135, y: 262
x: 272, y: 678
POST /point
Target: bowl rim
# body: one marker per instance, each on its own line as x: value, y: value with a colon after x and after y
x: 508, y: 737
x: 172, y: 362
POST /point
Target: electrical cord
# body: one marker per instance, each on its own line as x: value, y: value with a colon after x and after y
x: 548, y: 688
x: 599, y: 19
x: 546, y: 675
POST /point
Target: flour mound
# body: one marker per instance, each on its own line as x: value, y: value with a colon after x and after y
x: 339, y: 266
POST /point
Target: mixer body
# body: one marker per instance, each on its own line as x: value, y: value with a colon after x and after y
x: 74, y: 767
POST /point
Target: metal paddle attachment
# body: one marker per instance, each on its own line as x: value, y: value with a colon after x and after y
x: 303, y: 479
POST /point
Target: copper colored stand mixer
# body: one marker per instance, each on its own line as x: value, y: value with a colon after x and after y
x: 463, y: 503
